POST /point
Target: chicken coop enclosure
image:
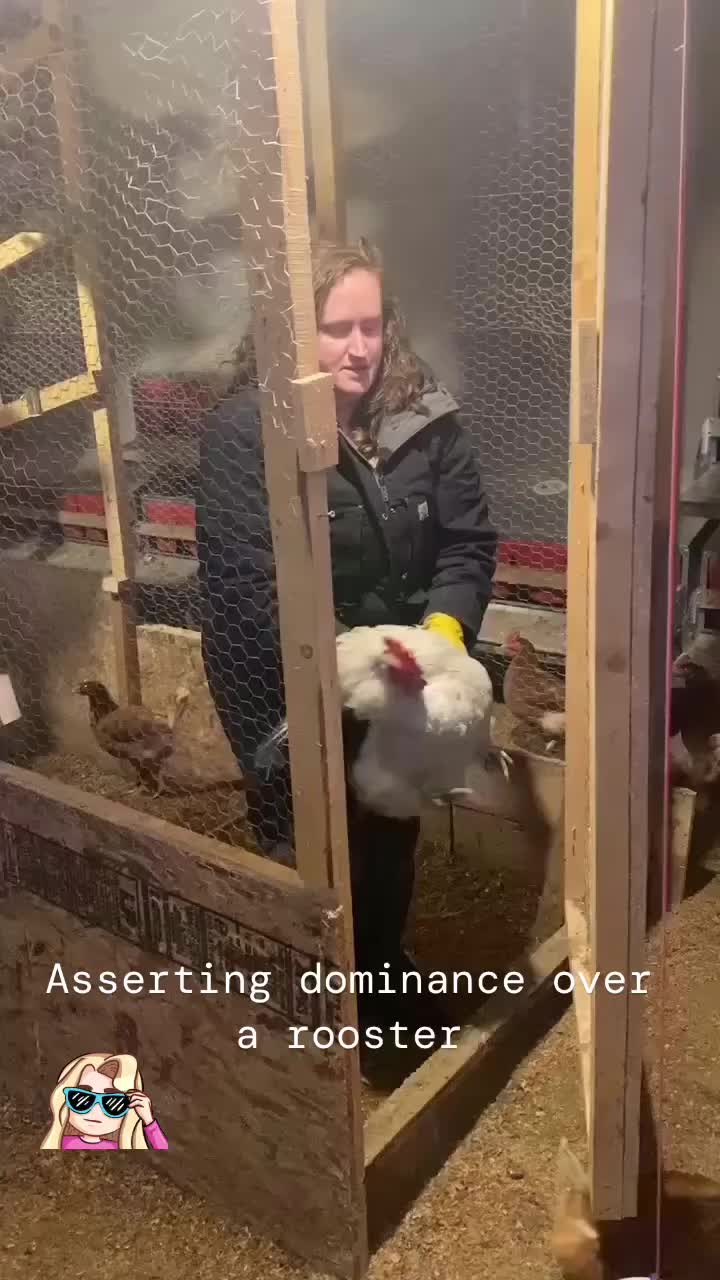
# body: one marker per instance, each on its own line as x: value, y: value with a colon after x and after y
x: 164, y: 172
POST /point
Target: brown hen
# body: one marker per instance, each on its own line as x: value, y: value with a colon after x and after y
x: 694, y: 725
x: 532, y: 694
x: 586, y: 1250
x: 133, y: 733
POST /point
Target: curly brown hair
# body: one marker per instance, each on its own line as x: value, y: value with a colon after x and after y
x: 402, y: 378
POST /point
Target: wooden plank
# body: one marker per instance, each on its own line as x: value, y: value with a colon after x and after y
x: 623, y: 167
x: 410, y: 1136
x: 325, y: 141
x: 261, y: 1133
x: 21, y: 246
x: 517, y: 574
x: 286, y: 348
x: 110, y: 430
x: 650, y: 640
x: 52, y: 808
x: 46, y: 399
x: 583, y: 425
x: 634, y: 238
x: 286, y: 341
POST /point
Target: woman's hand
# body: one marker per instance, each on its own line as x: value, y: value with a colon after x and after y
x: 446, y: 626
x: 141, y: 1103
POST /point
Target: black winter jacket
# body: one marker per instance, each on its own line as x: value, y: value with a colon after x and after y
x: 409, y: 537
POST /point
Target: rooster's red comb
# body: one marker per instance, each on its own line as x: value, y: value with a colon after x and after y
x: 405, y: 664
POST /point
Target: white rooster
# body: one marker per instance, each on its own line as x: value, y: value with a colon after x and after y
x: 428, y: 709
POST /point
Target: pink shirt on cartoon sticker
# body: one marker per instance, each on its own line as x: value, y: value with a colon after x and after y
x: 98, y: 1104
x: 154, y: 1135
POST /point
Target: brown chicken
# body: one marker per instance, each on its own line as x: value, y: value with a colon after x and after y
x: 532, y: 694
x: 694, y: 725
x: 133, y: 733
x: 584, y: 1250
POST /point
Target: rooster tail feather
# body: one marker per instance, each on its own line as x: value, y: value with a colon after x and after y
x: 553, y: 722
x: 270, y: 753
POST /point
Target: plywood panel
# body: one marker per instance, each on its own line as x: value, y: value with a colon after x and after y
x: 264, y: 1133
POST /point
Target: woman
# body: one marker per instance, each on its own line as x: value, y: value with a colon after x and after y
x: 411, y: 543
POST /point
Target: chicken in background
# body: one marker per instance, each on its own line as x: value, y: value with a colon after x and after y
x: 534, y: 696
x: 427, y: 708
x: 133, y: 733
x: 694, y: 725
x: 586, y: 1250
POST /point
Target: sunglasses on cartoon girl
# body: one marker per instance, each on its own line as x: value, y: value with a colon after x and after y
x: 81, y: 1101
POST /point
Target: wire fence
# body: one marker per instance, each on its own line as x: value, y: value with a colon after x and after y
x: 457, y: 127
x: 458, y: 131
x: 141, y: 156
x: 145, y: 153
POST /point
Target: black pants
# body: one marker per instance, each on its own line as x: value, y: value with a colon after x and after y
x: 382, y: 850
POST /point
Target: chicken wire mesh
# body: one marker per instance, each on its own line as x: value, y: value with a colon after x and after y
x: 457, y: 125
x: 145, y: 150
x: 457, y: 129
x: 167, y: 162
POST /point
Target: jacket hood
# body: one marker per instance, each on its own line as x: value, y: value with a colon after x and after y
x: 398, y: 428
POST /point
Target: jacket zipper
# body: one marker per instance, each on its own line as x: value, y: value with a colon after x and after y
x: 377, y: 475
x: 383, y: 492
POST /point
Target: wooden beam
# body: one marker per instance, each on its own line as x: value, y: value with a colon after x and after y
x: 108, y: 424
x: 632, y: 86
x: 21, y: 246
x: 410, y: 1136
x: 583, y: 416
x: 300, y: 444
x: 47, y: 806
x: 46, y: 399
x: 325, y: 140
x: 650, y: 522
x: 286, y: 340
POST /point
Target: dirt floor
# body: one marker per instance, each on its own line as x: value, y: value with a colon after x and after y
x: 486, y: 1216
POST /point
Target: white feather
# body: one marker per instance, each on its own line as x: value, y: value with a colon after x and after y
x: 418, y: 746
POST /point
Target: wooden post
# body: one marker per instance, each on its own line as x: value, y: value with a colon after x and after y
x: 628, y: 59
x: 21, y: 246
x: 300, y: 444
x: 325, y: 137
x: 110, y: 430
x: 583, y: 417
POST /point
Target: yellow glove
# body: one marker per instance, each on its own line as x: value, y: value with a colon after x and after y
x: 448, y: 627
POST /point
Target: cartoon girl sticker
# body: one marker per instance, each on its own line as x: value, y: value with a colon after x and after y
x: 98, y: 1104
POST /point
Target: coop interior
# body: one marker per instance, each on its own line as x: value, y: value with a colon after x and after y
x: 137, y: 190
x: 479, y: 254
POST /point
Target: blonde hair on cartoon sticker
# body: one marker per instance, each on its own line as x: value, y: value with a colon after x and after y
x: 120, y: 1068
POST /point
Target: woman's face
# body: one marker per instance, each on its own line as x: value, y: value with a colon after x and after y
x: 95, y: 1124
x: 350, y: 334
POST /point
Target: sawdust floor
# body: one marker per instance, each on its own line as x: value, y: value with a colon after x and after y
x: 486, y: 1216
